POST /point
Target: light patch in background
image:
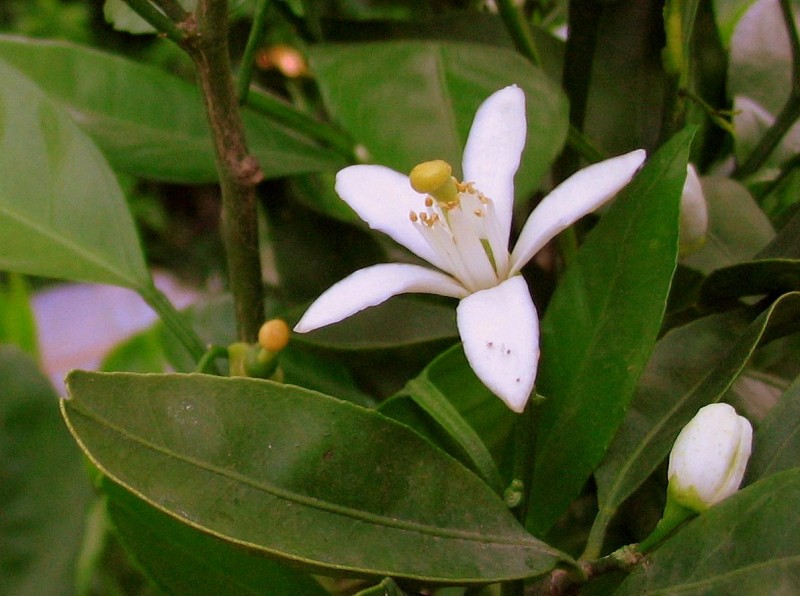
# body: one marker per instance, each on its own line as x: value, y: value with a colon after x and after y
x: 77, y: 324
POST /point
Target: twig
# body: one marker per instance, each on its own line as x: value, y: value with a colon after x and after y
x: 790, y: 112
x: 239, y: 173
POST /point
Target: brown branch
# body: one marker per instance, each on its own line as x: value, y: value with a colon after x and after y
x: 239, y: 172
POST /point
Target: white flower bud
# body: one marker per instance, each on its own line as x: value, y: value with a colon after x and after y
x: 694, y: 213
x: 709, y: 457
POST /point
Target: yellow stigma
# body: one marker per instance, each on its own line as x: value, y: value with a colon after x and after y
x: 435, y: 178
x: 273, y: 335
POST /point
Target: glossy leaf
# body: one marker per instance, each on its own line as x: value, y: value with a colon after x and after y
x: 62, y: 213
x: 600, y: 327
x: 692, y: 366
x: 148, y: 122
x: 737, y: 227
x: 181, y: 559
x: 416, y: 100
x: 777, y: 437
x: 44, y: 491
x: 747, y: 545
x: 299, y: 475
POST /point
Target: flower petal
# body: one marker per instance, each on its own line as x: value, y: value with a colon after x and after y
x: 494, y: 146
x: 500, y: 331
x: 371, y: 286
x: 581, y: 193
x: 384, y: 199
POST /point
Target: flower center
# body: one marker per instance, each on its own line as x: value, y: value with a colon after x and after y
x: 460, y: 225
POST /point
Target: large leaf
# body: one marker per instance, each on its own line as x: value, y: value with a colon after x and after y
x: 752, y: 278
x: 747, y: 545
x: 415, y: 101
x: 777, y: 438
x: 600, y: 328
x: 183, y: 560
x: 692, y: 366
x: 44, y: 491
x: 299, y: 475
x: 147, y: 121
x: 62, y: 213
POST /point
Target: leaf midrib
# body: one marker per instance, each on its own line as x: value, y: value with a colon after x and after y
x: 283, y: 494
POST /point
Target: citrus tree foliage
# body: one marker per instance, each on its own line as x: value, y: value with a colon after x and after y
x: 642, y: 157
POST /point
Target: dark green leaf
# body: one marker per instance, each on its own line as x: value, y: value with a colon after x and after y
x: 44, y: 491
x: 416, y: 100
x: 181, y: 559
x: 62, y: 213
x: 600, y: 327
x: 748, y: 545
x: 148, y: 122
x: 692, y: 366
x: 753, y: 278
x: 299, y: 475
x: 777, y: 438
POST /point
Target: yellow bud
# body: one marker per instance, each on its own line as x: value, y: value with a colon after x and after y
x: 435, y: 178
x: 273, y: 335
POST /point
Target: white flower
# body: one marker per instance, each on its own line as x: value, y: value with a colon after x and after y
x: 463, y: 230
x: 708, y: 460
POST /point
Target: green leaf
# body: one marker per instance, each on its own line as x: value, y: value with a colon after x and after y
x: 299, y: 475
x: 62, y: 213
x: 148, y: 122
x: 747, y: 545
x: 777, y: 437
x: 182, y: 559
x: 737, y: 227
x: 600, y: 327
x: 753, y: 278
x: 692, y: 366
x: 416, y: 100
x: 44, y: 491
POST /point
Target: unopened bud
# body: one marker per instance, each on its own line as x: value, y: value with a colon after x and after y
x: 709, y: 457
x: 694, y: 213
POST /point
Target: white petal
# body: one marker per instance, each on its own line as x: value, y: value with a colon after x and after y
x: 500, y: 331
x: 581, y: 193
x: 494, y: 146
x: 384, y: 199
x: 371, y: 286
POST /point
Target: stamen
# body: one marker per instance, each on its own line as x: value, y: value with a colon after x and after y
x: 412, y: 216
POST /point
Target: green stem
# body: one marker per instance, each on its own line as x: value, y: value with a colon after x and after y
x: 253, y: 41
x: 239, y: 172
x: 288, y: 115
x: 587, y: 150
x: 174, y: 321
x: 790, y: 112
x: 160, y: 21
x: 387, y: 587
x: 597, y: 535
x: 438, y: 407
x: 172, y: 9
x: 519, y: 30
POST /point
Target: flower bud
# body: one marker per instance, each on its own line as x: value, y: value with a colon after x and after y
x: 694, y: 213
x: 709, y: 457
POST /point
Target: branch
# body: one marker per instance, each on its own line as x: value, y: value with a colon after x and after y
x: 790, y: 112
x: 239, y: 173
